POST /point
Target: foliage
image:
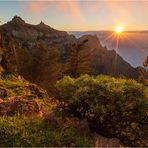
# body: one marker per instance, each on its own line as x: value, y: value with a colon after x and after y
x: 40, y: 64
x: 49, y: 71
x: 115, y: 107
x: 13, y: 85
x: 79, y: 61
x: 20, y: 131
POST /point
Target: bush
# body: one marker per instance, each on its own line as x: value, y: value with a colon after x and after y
x: 114, y: 107
x: 20, y: 131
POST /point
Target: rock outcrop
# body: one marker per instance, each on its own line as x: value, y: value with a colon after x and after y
x: 107, y: 61
x: 20, y: 106
x: 18, y: 96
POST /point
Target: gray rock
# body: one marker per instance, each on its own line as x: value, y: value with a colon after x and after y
x: 100, y: 141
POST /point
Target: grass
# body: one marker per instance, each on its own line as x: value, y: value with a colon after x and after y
x: 15, y: 86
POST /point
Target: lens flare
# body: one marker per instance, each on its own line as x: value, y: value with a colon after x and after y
x: 119, y: 30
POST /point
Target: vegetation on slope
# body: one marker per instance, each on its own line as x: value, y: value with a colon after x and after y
x: 34, y: 132
x: 12, y: 85
x: 17, y: 129
x: 113, y: 107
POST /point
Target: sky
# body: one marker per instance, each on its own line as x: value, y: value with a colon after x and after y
x: 79, y: 15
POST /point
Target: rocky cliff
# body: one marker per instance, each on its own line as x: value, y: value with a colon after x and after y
x: 18, y: 42
x: 108, y: 61
x: 26, y: 37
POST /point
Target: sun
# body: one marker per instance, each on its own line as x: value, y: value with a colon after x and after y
x: 118, y: 30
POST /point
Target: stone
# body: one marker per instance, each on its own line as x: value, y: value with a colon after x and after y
x: 100, y: 141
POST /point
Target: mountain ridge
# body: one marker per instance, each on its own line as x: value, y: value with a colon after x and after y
x: 133, y: 46
x: 19, y: 42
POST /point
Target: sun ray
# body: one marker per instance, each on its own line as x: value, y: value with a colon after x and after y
x: 119, y: 29
x: 133, y: 43
x: 108, y: 37
x: 116, y: 49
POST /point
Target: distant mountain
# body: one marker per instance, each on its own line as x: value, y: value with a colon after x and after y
x: 133, y: 45
x: 19, y: 52
x: 108, y: 61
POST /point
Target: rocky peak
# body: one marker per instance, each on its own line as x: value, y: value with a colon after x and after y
x: 17, y: 20
x: 43, y: 25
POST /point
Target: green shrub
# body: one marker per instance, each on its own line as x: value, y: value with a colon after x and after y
x: 114, y: 107
x: 20, y: 131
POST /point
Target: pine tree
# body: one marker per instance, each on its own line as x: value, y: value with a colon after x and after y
x: 145, y: 64
x: 79, y: 61
x: 49, y: 67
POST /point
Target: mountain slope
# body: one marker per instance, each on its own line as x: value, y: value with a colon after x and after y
x: 20, y: 51
x: 133, y: 45
x: 108, y: 61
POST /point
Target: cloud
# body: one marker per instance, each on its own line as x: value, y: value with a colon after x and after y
x: 69, y: 8
x: 36, y: 6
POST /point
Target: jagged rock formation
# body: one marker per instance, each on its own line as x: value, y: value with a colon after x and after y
x: 28, y: 35
x: 18, y: 47
x: 107, y: 61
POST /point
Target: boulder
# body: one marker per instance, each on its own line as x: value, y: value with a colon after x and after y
x: 100, y: 141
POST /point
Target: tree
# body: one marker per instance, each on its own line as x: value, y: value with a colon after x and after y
x: 145, y: 63
x: 79, y: 61
x: 48, y: 66
x: 1, y: 69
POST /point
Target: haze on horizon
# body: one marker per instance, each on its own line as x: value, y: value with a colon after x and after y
x: 79, y: 15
